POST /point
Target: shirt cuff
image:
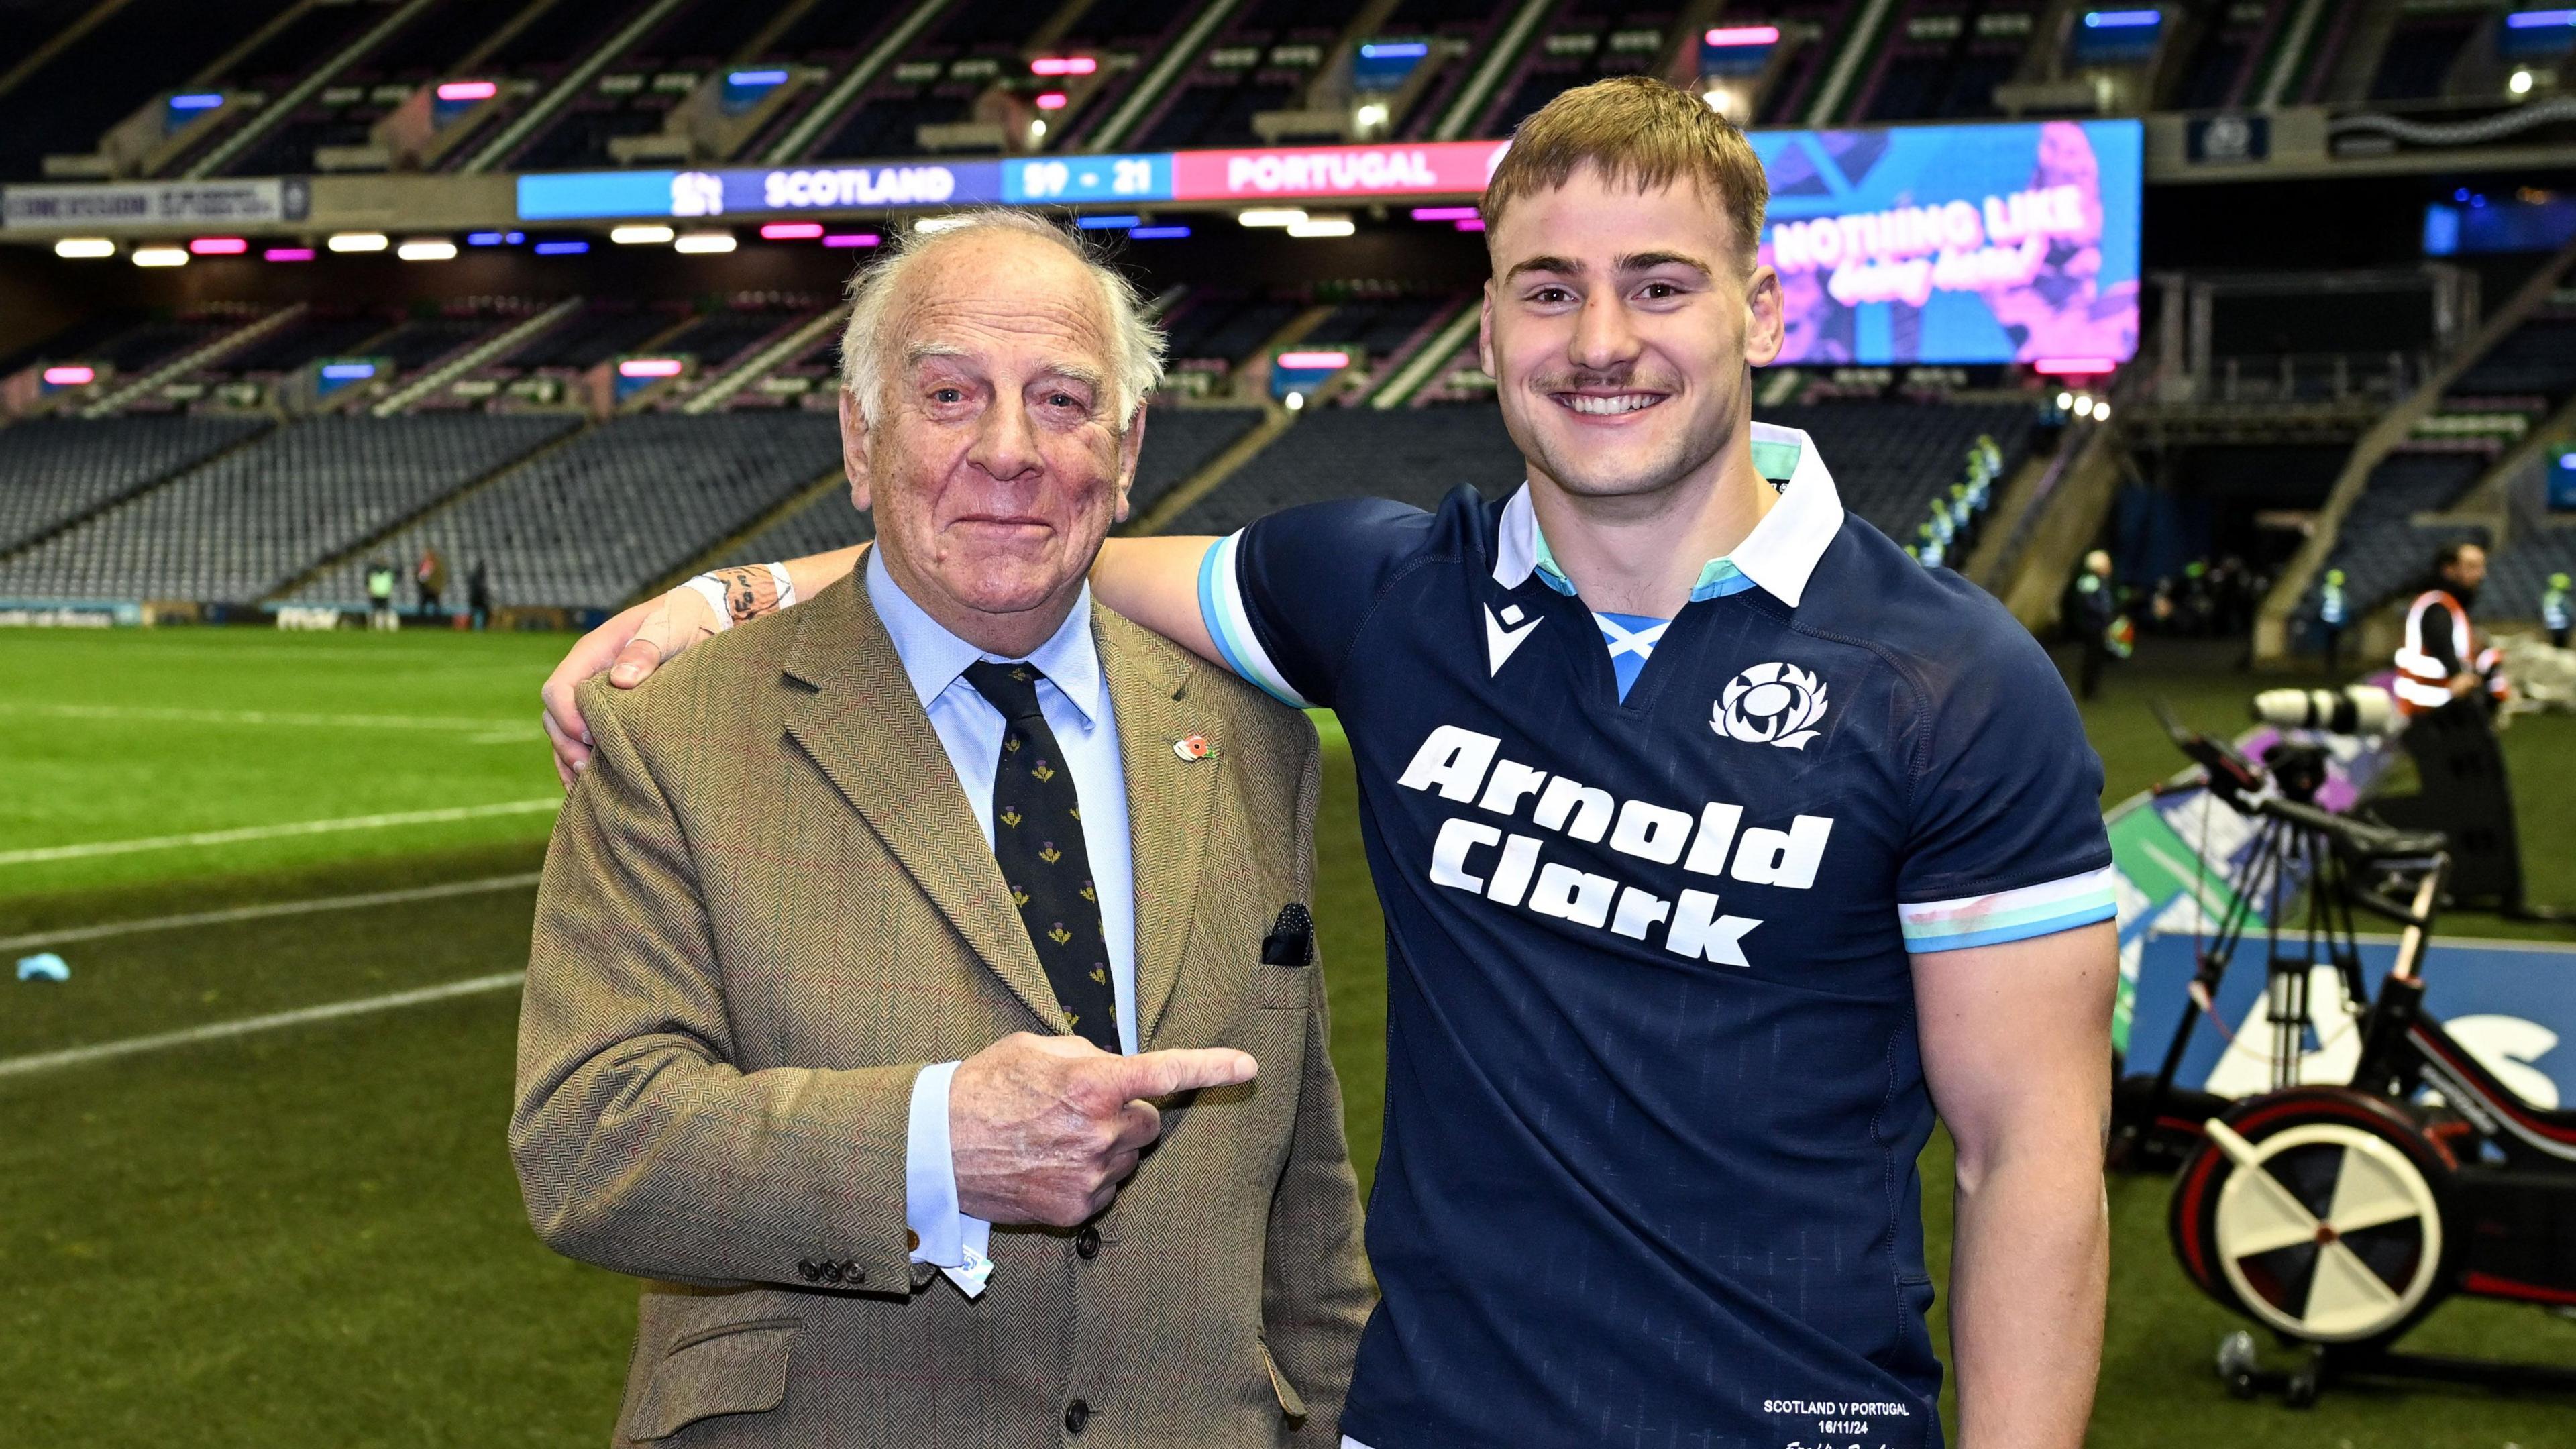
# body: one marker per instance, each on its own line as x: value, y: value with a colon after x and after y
x: 945, y: 1236
x: 2014, y: 915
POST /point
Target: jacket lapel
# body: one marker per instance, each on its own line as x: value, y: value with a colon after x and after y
x: 863, y: 726
x: 1169, y: 800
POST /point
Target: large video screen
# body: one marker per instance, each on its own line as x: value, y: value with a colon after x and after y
x: 1957, y: 244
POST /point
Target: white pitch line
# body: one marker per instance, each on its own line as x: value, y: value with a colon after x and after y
x: 87, y: 849
x: 270, y: 909
x: 222, y: 1030
x: 263, y: 717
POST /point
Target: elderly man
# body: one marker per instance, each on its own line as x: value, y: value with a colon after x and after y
x: 855, y: 936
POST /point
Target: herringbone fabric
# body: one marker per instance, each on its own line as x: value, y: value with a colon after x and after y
x: 1038, y: 843
x: 766, y: 905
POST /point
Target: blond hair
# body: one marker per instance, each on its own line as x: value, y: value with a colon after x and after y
x: 1638, y: 132
x: 1135, y: 344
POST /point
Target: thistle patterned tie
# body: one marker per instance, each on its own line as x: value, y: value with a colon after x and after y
x: 1037, y: 841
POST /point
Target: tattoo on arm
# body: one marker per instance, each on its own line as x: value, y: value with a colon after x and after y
x: 749, y: 592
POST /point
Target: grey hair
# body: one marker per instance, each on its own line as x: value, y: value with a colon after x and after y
x: 867, y: 363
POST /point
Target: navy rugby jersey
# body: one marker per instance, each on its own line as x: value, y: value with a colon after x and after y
x: 1653, y: 1093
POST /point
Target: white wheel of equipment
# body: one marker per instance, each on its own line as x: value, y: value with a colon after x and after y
x: 2292, y: 1263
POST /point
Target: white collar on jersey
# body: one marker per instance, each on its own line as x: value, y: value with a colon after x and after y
x: 1779, y: 555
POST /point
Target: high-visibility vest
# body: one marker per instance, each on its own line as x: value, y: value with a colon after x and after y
x: 2423, y: 679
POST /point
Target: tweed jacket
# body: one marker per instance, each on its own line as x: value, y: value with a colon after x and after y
x: 766, y: 905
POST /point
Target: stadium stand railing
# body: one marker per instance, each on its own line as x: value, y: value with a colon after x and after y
x: 2355, y: 530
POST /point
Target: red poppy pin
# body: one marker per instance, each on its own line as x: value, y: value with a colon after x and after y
x: 1196, y: 747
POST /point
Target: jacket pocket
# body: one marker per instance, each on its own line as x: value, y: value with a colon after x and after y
x: 1291, y: 1403
x: 738, y: 1368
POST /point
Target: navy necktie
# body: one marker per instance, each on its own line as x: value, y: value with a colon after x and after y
x: 1037, y: 841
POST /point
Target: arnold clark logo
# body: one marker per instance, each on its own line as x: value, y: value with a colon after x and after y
x: 1500, y: 849
x: 1770, y: 704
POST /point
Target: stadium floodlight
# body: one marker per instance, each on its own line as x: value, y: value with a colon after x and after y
x: 287, y: 254
x: 650, y: 367
x: 196, y: 101
x: 1293, y: 401
x: 791, y: 231
x: 1064, y: 65
x: 561, y: 248
x: 218, y: 246
x: 646, y: 234
x: 1106, y: 223
x: 1051, y: 100
x: 1157, y: 233
x: 853, y: 239
x: 70, y: 374
x: 1444, y: 213
x: 468, y: 90
x: 2066, y: 402
x: 358, y: 241
x: 2519, y: 83
x: 161, y: 256
x: 1271, y: 216
x: 427, y: 249
x: 1371, y: 115
x: 1726, y: 36
x: 1322, y: 226
x: 704, y: 243
x: 84, y: 248
x: 1333, y: 361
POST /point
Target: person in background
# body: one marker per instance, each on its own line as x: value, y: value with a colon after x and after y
x: 2554, y: 610
x: 2094, y: 610
x: 2333, y: 610
x: 429, y: 576
x: 478, y: 594
x: 380, y: 595
x: 2443, y: 659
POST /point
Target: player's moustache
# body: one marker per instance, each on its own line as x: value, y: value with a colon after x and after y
x: 1582, y: 380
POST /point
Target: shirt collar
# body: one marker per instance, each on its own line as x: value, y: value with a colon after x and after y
x: 933, y: 658
x: 1779, y: 555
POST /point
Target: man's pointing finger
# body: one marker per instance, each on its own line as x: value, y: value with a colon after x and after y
x: 1160, y: 1074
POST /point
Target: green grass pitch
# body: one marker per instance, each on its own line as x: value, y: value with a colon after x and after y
x: 310, y: 1236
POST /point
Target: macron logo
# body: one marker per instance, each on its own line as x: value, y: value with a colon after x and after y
x: 1500, y: 642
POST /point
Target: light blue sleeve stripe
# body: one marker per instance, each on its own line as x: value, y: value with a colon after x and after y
x: 1221, y: 610
x: 2082, y: 915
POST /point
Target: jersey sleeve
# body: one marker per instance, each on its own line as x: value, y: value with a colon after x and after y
x: 2006, y: 840
x: 1285, y: 597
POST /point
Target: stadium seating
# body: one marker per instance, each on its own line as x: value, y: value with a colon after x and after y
x: 588, y: 524
x: 820, y: 526
x: 2380, y: 549
x: 247, y: 523
x: 55, y: 470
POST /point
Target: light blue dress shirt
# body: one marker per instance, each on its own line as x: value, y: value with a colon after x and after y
x: 1074, y: 697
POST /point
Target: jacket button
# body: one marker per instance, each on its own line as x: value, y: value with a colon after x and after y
x: 851, y: 1272
x: 1087, y: 1242
x: 809, y: 1271
x: 1077, y: 1415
